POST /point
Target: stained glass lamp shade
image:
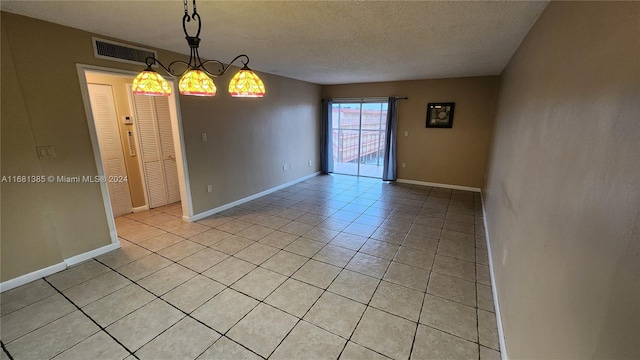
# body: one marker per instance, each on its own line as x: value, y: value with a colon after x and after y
x: 196, y: 82
x: 149, y: 82
x: 246, y: 84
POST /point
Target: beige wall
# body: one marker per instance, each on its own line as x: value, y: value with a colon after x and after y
x: 120, y: 94
x: 42, y: 225
x: 563, y: 196
x: 455, y: 156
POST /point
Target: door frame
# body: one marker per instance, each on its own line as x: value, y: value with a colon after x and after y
x: 178, y: 137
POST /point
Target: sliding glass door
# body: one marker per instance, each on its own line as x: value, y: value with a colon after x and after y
x: 358, y: 137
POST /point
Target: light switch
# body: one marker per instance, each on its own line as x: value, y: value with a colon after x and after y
x: 406, y: 133
x: 204, y: 136
x: 209, y: 188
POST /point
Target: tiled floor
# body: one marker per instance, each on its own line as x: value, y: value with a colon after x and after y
x: 333, y: 267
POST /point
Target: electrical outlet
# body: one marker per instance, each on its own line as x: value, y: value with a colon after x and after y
x: 209, y: 188
x: 309, y: 163
x: 406, y: 133
x: 284, y: 167
x: 404, y: 165
x: 204, y: 136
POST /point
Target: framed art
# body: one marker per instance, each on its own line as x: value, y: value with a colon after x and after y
x: 440, y: 115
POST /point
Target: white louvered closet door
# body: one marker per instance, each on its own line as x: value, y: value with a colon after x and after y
x: 156, y: 149
x: 106, y: 120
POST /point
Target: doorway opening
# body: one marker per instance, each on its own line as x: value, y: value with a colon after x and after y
x: 358, y: 136
x: 137, y: 142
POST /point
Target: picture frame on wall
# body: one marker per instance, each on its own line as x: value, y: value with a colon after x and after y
x: 440, y: 115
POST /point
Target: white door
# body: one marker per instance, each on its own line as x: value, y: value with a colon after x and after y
x: 104, y: 114
x: 157, y: 152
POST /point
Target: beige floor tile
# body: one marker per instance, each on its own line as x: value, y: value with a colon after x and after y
x: 420, y: 243
x: 415, y: 258
x: 354, y: 286
x: 227, y: 349
x: 454, y: 267
x: 189, y: 230
x: 118, y: 304
x: 144, y: 267
x: 349, y: 241
x: 156, y: 220
x: 126, y: 254
x: 181, y: 250
x: 53, y: 338
x: 296, y: 228
x: 408, y: 276
x: 304, y: 247
x: 77, y: 274
x: 143, y: 234
x: 31, y: 317
x: 263, y: 329
x: 483, y: 276
x: 368, y: 265
x: 233, y: 226
x: 449, y: 316
x: 294, y: 297
x: 94, y: 289
x: 161, y: 241
x: 435, y: 222
x: 354, y: 351
x: 336, y: 314
x: 25, y: 295
x: 488, y: 330
x: 307, y: 341
x: 255, y: 232
x: 311, y: 219
x: 278, y: 239
x: 229, y: 270
x: 489, y: 354
x: 360, y: 229
x: 457, y: 237
x: 259, y: 283
x: 334, y: 224
x: 388, y: 235
x: 203, y: 260
x: 398, y: 300
x: 210, y: 237
x: 232, y: 244
x: 215, y: 220
x: 425, y: 231
x: 385, y: 333
x: 224, y: 310
x: 433, y: 344
x: 170, y: 224
x: 257, y: 253
x: 452, y: 288
x: 98, y: 346
x: 380, y: 249
x: 482, y: 257
x: 143, y: 214
x: 334, y: 255
x: 285, y: 263
x: 485, y: 297
x: 456, y: 250
x: 317, y: 273
x: 459, y: 226
x: 321, y: 234
x: 166, y: 279
x: 193, y: 293
x: 144, y: 324
x: 184, y: 340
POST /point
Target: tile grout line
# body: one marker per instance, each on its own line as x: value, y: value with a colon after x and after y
x: 92, y: 320
x: 6, y: 351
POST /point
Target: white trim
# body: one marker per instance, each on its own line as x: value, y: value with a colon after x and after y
x: 32, y: 276
x: 496, y: 303
x: 210, y: 212
x: 91, y: 254
x: 446, y: 186
x: 140, y: 208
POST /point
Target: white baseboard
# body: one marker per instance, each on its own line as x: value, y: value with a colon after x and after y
x: 32, y: 276
x: 91, y: 254
x: 140, y: 208
x: 446, y: 186
x: 39, y: 274
x: 496, y: 303
x: 207, y: 213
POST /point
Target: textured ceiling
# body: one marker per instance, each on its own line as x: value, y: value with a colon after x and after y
x: 335, y: 42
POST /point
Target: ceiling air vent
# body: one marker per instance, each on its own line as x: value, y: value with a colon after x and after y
x: 111, y: 50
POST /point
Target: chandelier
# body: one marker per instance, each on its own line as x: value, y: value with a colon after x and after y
x: 195, y: 78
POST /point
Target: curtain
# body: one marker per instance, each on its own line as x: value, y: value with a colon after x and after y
x: 390, y: 170
x: 326, y: 145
